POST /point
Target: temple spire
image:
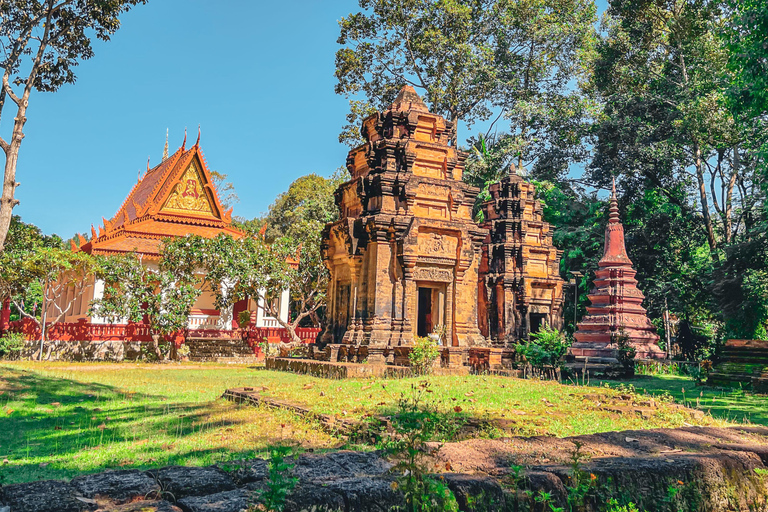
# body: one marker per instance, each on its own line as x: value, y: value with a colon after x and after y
x: 184, y: 143
x: 197, y: 143
x: 165, y: 150
x: 613, y: 216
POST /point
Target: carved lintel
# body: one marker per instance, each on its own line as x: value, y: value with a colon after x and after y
x: 433, y: 274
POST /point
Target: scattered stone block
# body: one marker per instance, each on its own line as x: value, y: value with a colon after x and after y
x: 227, y: 501
x: 184, y: 481
x: 44, y: 496
x: 118, y: 486
x: 340, y: 465
x: 143, y: 506
x: 368, y: 494
x: 472, y: 488
x: 246, y: 471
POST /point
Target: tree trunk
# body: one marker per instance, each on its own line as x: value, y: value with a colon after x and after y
x: 43, y: 318
x: 156, y: 346
x: 704, y: 200
x: 7, y: 200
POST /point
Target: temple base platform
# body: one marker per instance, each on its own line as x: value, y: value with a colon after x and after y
x: 744, y: 363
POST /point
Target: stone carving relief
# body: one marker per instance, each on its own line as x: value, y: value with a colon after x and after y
x: 433, y: 274
x: 435, y: 244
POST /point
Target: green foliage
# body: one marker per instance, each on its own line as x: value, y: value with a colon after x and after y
x: 11, y: 345
x: 625, y: 352
x: 279, y: 480
x: 613, y: 506
x: 244, y: 318
x: 417, y: 422
x: 134, y: 291
x: 238, y: 268
x: 47, y: 274
x: 423, y: 355
x: 292, y: 230
x: 545, y: 348
x: 467, y: 59
x: 183, y: 350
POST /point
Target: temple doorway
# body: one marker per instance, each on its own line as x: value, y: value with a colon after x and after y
x: 430, y: 311
x: 425, y: 312
x: 538, y: 320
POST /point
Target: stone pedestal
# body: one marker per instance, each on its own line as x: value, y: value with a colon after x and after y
x: 494, y: 358
x: 454, y: 356
x: 376, y: 355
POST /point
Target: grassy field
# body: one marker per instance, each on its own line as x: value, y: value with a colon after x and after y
x: 732, y: 404
x: 63, y: 419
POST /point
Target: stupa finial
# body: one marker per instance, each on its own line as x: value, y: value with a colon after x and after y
x: 165, y: 150
x: 613, y: 216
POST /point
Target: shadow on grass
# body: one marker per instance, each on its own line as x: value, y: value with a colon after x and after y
x: 732, y: 404
x: 56, y: 427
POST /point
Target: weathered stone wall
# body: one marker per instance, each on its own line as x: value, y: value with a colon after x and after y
x: 112, y: 350
x: 709, y: 469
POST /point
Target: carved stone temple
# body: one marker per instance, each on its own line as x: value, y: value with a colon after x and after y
x: 405, y: 255
x: 520, y: 286
x: 616, y: 303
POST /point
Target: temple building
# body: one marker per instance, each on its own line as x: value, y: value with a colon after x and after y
x: 405, y: 252
x: 616, y: 303
x: 173, y: 199
x: 520, y: 285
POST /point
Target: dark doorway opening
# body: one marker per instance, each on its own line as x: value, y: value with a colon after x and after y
x: 538, y: 320
x: 424, y: 324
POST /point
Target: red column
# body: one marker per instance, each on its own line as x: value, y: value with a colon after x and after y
x: 5, y: 315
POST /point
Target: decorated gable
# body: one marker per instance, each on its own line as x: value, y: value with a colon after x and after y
x: 189, y: 194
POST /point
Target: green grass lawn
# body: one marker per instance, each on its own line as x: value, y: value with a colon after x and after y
x: 731, y: 404
x: 63, y: 419
x: 60, y: 420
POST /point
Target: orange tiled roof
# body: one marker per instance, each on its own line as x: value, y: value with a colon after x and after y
x: 173, y: 199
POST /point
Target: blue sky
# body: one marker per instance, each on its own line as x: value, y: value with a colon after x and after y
x: 256, y: 76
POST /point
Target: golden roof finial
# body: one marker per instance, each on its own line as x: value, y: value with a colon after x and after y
x: 165, y: 150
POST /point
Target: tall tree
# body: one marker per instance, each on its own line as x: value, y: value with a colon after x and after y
x: 299, y: 216
x: 662, y: 72
x: 42, y: 41
x: 470, y: 58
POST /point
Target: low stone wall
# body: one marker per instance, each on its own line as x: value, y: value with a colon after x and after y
x: 743, y: 362
x: 329, y: 370
x: 709, y: 469
x: 109, y: 350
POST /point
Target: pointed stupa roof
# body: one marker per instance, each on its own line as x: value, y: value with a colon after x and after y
x: 409, y: 99
x: 615, y: 251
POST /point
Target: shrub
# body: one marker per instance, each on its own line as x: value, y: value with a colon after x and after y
x: 244, y: 319
x: 625, y: 352
x: 11, y: 345
x: 545, y: 348
x: 183, y: 351
x: 423, y: 356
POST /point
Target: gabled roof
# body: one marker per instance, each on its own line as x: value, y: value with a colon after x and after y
x: 175, y: 198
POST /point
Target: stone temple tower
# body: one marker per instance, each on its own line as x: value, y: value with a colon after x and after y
x: 616, y: 303
x: 405, y: 252
x: 520, y: 285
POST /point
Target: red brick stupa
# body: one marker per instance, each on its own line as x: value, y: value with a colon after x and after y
x: 616, y: 303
